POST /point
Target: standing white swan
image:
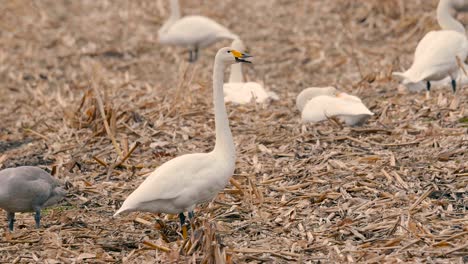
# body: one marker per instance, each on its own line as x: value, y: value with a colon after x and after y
x: 194, y: 32
x: 317, y: 104
x: 240, y: 92
x: 439, y: 53
x: 181, y: 183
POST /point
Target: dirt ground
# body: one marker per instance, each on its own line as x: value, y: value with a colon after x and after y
x: 394, y: 190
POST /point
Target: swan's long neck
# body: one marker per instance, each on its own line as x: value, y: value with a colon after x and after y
x: 224, y: 143
x: 446, y: 20
x: 175, y: 10
x: 236, y: 73
x: 175, y: 15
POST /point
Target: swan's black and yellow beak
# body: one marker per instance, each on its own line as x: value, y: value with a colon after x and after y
x: 241, y: 57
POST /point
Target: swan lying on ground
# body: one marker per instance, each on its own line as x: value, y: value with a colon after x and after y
x: 180, y: 184
x: 27, y: 189
x: 317, y: 104
x: 440, y: 53
x: 193, y: 32
x: 240, y: 92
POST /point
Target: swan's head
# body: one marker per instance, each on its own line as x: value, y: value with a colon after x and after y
x: 230, y: 56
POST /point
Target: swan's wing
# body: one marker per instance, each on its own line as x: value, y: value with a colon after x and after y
x: 234, y: 92
x: 170, y: 180
x: 196, y: 29
x: 349, y: 97
x: 321, y: 107
x: 436, y: 53
x: 243, y: 93
x: 305, y: 95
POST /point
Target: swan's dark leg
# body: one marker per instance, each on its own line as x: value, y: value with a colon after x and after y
x: 182, y: 225
x: 190, y: 59
x: 37, y: 218
x: 428, y: 92
x: 191, y: 215
x: 196, y: 54
x: 182, y: 219
x: 454, y: 86
x: 11, y: 220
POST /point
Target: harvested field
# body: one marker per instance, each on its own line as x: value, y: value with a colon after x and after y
x: 394, y: 190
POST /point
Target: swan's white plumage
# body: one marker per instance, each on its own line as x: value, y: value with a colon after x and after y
x: 239, y: 92
x: 181, y: 183
x: 191, y: 31
x: 318, y: 104
x: 420, y: 86
x: 194, y: 31
x: 244, y: 93
x: 439, y: 52
x: 436, y: 56
x: 311, y: 92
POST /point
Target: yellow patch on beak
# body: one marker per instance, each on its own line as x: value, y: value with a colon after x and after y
x: 236, y: 54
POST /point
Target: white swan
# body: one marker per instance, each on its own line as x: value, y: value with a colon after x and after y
x: 194, y: 32
x: 28, y: 189
x: 240, y: 92
x: 438, y: 54
x: 317, y: 104
x: 181, y: 183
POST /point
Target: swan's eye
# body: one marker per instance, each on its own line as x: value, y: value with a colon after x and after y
x: 228, y: 51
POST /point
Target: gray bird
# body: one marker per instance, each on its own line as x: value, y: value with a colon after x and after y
x: 28, y: 189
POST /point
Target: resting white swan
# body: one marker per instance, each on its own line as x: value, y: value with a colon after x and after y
x: 438, y: 54
x: 194, y: 32
x: 181, y: 183
x: 240, y: 92
x: 317, y: 104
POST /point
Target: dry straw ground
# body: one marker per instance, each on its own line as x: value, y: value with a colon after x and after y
x: 394, y: 190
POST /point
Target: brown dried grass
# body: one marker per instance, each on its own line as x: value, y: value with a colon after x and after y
x: 393, y: 190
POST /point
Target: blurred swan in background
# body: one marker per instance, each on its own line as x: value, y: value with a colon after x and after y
x: 440, y: 53
x: 318, y: 104
x: 460, y: 5
x: 181, y: 183
x: 193, y: 32
x: 240, y: 92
